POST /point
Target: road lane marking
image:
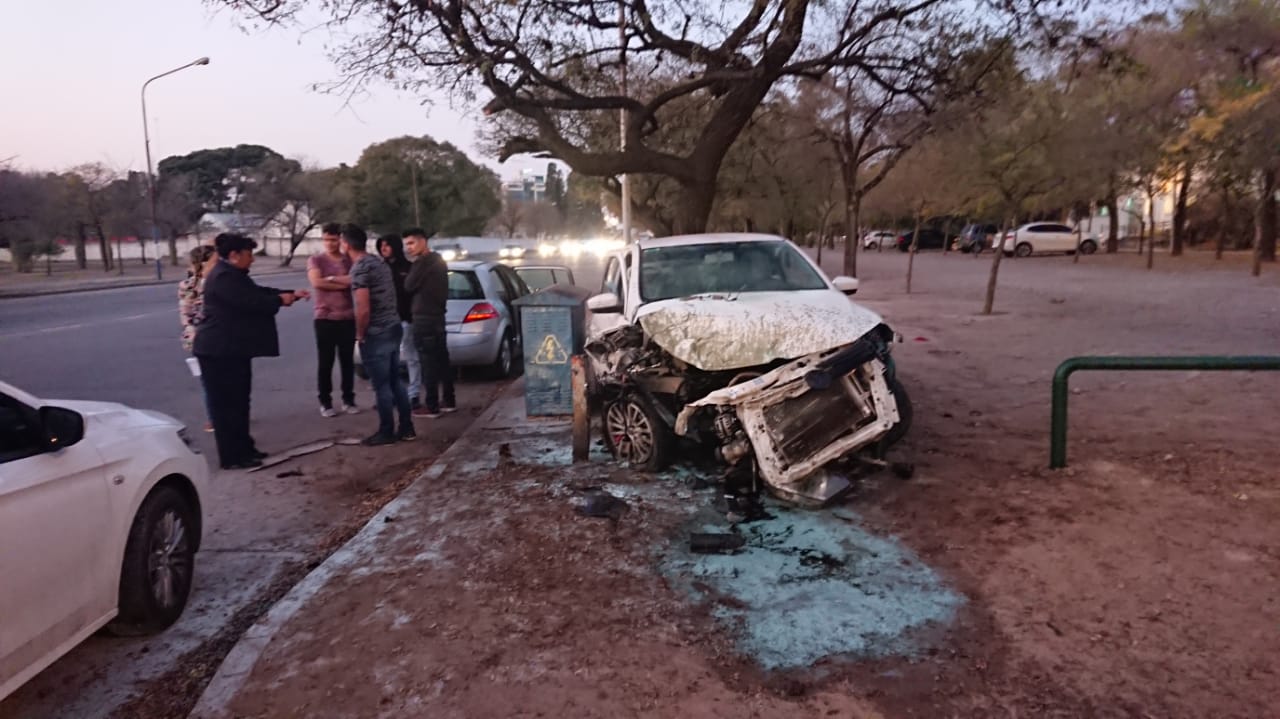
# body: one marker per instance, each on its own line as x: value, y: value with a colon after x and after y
x: 78, y: 325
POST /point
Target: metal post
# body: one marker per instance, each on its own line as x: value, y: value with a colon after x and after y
x: 151, y: 184
x: 622, y: 120
x: 1060, y: 395
x: 413, y: 170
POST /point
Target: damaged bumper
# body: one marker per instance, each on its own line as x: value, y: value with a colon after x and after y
x: 802, y: 416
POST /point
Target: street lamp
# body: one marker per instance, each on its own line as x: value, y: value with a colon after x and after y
x: 151, y: 184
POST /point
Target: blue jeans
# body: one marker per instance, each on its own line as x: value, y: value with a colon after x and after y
x: 410, y: 354
x: 381, y: 355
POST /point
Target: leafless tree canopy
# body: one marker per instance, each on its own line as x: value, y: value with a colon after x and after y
x: 555, y: 63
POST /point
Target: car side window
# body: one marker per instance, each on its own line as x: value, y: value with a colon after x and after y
x: 612, y: 278
x: 20, y: 435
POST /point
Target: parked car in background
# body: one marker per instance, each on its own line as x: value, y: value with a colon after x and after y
x: 100, y: 521
x: 482, y: 324
x: 450, y: 251
x: 1046, y: 237
x: 930, y: 239
x: 877, y: 239
x: 976, y: 238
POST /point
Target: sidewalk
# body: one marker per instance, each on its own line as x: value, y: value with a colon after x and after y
x: 481, y: 592
x: 38, y: 284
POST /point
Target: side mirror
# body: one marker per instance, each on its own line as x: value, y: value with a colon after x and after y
x: 62, y: 427
x: 603, y: 304
x: 847, y: 285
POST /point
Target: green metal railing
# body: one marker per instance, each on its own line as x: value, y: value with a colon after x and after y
x: 1058, y: 428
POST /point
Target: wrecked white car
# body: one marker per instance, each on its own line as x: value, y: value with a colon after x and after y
x: 740, y: 342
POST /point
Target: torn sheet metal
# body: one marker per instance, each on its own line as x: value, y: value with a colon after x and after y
x: 731, y: 331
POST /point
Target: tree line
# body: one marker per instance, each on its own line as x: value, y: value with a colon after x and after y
x: 395, y: 184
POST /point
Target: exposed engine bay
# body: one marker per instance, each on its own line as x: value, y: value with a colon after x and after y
x: 782, y: 424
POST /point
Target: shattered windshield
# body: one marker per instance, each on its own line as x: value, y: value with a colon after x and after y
x: 724, y: 267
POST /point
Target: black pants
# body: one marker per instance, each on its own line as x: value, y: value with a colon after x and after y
x: 336, y: 337
x: 228, y: 381
x: 433, y: 352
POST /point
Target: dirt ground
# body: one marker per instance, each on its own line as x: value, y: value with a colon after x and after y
x: 1140, y: 582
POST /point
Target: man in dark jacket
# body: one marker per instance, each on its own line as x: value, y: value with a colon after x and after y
x: 428, y: 284
x: 239, y: 324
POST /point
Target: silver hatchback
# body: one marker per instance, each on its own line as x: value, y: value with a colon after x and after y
x: 482, y: 324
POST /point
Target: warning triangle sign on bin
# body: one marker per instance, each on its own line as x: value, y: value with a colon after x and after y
x: 551, y: 352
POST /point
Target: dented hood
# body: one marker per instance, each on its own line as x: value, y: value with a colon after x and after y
x: 733, y: 331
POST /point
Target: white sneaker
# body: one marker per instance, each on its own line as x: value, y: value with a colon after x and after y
x: 350, y: 408
x: 328, y: 412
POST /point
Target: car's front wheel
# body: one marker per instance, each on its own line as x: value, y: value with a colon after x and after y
x: 635, y: 434
x: 159, y: 563
x: 1088, y: 247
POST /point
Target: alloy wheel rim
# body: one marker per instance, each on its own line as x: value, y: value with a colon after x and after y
x: 169, y: 562
x: 629, y: 429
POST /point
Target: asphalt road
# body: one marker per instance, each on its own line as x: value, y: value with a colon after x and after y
x: 122, y: 345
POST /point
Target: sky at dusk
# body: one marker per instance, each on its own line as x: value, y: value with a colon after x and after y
x: 72, y: 72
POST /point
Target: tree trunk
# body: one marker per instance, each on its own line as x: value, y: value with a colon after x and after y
x: 1264, y: 233
x: 989, y: 304
x: 173, y: 248
x: 855, y: 233
x: 120, y: 255
x: 82, y: 261
x: 693, y: 209
x: 1151, y: 214
x: 1265, y: 223
x: 104, y: 247
x: 915, y: 241
x: 1180, y: 212
x: 1112, y: 203
x: 1225, y: 227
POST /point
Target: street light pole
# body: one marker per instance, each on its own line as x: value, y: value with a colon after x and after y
x: 622, y: 120
x: 151, y: 183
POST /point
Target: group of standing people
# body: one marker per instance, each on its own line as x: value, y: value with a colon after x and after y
x: 390, y: 305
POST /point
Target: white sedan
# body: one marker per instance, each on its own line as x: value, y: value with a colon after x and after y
x: 100, y: 520
x: 739, y: 341
x: 1043, y: 237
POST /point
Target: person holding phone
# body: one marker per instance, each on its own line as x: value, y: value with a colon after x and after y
x: 238, y: 324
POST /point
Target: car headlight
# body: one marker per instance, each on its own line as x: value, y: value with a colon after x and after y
x: 449, y: 255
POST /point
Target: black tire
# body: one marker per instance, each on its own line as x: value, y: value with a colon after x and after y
x: 159, y: 564
x: 905, y: 415
x: 1088, y: 247
x: 635, y: 434
x: 1023, y: 249
x: 504, y: 364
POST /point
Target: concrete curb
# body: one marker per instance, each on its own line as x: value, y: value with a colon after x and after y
x: 46, y: 291
x: 243, y: 657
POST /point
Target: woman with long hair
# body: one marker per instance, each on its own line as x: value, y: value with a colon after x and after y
x: 191, y: 305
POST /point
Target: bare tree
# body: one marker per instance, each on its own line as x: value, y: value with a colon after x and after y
x: 555, y: 65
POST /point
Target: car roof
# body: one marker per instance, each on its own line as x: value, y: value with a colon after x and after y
x: 467, y: 265
x: 707, y: 238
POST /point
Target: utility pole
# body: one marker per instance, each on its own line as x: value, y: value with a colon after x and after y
x: 622, y: 120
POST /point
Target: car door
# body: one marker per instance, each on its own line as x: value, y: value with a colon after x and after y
x: 511, y: 288
x: 53, y: 543
x: 1064, y: 239
x: 599, y: 323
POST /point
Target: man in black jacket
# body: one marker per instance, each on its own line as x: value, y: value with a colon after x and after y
x: 428, y: 285
x: 238, y: 324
